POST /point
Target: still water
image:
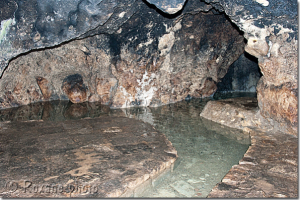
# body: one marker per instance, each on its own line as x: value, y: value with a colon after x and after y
x: 206, y: 150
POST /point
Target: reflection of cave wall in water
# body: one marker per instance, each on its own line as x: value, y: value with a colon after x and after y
x: 242, y: 75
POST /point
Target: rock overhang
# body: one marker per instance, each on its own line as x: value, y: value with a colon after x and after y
x: 270, y: 28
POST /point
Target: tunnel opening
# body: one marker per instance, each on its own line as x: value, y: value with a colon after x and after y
x: 242, y: 77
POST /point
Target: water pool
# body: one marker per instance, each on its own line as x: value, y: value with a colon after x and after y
x: 206, y: 150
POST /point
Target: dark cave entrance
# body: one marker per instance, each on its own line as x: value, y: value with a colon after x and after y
x: 242, y: 77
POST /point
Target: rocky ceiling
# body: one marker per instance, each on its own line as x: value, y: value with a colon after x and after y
x: 270, y: 28
x: 34, y: 24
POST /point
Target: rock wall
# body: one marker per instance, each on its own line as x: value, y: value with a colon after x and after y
x: 148, y: 61
x: 270, y: 28
x: 271, y: 31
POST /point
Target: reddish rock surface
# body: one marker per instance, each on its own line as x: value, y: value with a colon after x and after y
x: 279, y: 103
x: 241, y: 113
x: 74, y: 88
x: 273, y: 40
x: 277, y: 91
x: 44, y: 87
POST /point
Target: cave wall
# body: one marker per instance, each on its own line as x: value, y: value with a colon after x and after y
x: 270, y: 28
x: 271, y: 31
x: 148, y: 61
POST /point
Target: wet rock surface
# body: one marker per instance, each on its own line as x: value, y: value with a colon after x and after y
x: 206, y: 150
x: 241, y: 113
x: 74, y: 88
x: 273, y: 40
x: 36, y: 24
x: 269, y: 168
x: 86, y: 158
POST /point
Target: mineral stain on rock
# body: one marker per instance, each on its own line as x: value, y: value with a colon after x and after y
x: 74, y: 88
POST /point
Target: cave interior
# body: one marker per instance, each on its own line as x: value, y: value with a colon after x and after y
x: 110, y: 54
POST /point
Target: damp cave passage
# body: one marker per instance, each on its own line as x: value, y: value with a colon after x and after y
x: 241, y: 78
x: 206, y: 150
x: 49, y: 132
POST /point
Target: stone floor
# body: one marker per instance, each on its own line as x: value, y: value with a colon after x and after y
x: 70, y: 159
x: 101, y: 157
x: 269, y: 168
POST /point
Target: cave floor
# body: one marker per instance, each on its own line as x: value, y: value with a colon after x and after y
x: 101, y: 157
x: 54, y: 144
x: 112, y: 155
x: 269, y: 168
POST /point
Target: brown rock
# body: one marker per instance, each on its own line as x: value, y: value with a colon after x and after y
x: 105, y: 87
x: 243, y: 113
x: 74, y: 88
x: 187, y: 57
x: 263, y: 172
x: 269, y: 167
x: 208, y: 88
x: 279, y: 103
x: 76, y: 111
x: 47, y: 109
x: 94, y: 98
x: 18, y: 88
x: 33, y: 94
x: 44, y: 86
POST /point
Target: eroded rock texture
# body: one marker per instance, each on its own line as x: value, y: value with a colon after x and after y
x: 273, y: 40
x: 270, y: 28
x: 241, y: 113
x: 74, y: 88
x: 35, y: 24
x: 148, y: 61
x: 269, y: 169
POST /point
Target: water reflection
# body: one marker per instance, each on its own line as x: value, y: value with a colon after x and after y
x: 206, y: 150
x: 226, y: 95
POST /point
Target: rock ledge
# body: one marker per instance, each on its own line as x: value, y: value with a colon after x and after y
x: 100, y: 157
x: 269, y: 168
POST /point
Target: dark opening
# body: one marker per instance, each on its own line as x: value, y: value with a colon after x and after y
x: 242, y: 76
